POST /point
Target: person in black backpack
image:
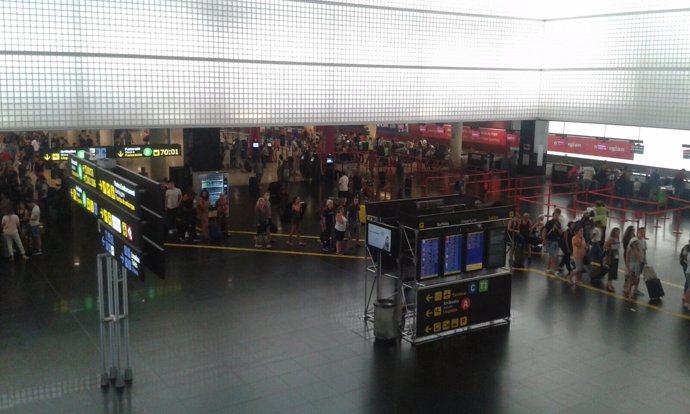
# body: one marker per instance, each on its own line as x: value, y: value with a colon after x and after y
x: 566, y: 245
x: 684, y: 264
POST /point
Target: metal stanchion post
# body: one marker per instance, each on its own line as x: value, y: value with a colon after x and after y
x: 129, y: 377
x: 119, y: 380
x: 105, y: 380
x: 111, y: 318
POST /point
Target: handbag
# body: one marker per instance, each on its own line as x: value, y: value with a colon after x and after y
x: 648, y: 273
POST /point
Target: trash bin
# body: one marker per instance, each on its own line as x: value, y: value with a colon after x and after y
x: 385, y: 328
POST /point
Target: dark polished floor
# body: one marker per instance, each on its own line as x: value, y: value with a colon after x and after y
x: 240, y: 330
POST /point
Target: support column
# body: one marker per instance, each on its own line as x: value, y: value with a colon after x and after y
x: 456, y: 144
x: 105, y: 137
x: 158, y: 166
x: 533, y: 141
x: 330, y: 134
x: 72, y: 137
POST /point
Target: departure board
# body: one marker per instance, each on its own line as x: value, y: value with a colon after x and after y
x: 496, y: 252
x: 452, y: 263
x: 128, y: 257
x: 474, y: 251
x: 429, y: 258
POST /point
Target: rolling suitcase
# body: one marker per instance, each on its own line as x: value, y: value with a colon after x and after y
x: 215, y: 233
x: 654, y: 288
x: 519, y: 257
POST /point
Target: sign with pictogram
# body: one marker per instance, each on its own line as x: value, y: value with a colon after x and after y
x: 459, y: 304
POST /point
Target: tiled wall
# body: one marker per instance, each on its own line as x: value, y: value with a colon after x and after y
x: 137, y: 63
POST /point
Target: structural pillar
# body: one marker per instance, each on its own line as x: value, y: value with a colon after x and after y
x: 105, y: 137
x: 72, y: 137
x: 533, y: 140
x: 330, y: 134
x: 456, y: 144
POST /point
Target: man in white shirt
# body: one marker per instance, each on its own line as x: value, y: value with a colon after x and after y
x: 343, y: 186
x: 10, y: 231
x: 173, y: 196
x: 34, y: 227
x: 588, y: 173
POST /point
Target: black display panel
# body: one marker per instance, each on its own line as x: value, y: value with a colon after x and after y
x: 452, y: 254
x: 496, y: 248
x: 474, y: 251
x: 83, y: 171
x: 122, y: 223
x: 128, y: 257
x: 429, y: 258
x: 83, y: 197
x: 122, y: 192
x: 448, y: 306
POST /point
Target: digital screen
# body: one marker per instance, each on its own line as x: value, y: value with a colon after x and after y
x: 113, y: 245
x: 148, y: 151
x: 83, y: 171
x: 429, y: 258
x: 474, y: 251
x: 255, y: 145
x: 120, y: 222
x: 453, y: 254
x: 83, y: 197
x: 329, y: 161
x: 269, y: 145
x: 496, y: 255
x: 379, y: 237
x: 122, y: 192
x: 216, y: 185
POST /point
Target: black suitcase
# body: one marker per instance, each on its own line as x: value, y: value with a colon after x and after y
x: 215, y: 233
x: 519, y: 257
x: 654, y: 288
x: 325, y: 238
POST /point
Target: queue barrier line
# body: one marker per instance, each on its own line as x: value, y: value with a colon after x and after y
x: 253, y: 233
x: 605, y: 292
x: 264, y: 250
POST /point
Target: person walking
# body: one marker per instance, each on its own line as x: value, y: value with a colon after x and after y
x: 601, y: 217
x: 10, y: 231
x: 612, y: 247
x: 339, y: 228
x: 35, y: 227
x: 567, y: 248
x: 579, y: 253
x: 353, y: 222
x: 202, y: 206
x: 261, y: 220
x: 173, y: 197
x: 223, y: 212
x: 552, y: 235
x: 686, y: 273
x: 296, y: 215
x: 327, y: 225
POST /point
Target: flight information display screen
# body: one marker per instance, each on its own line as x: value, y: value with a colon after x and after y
x: 429, y: 252
x: 452, y: 263
x: 496, y: 254
x: 113, y: 245
x: 474, y: 251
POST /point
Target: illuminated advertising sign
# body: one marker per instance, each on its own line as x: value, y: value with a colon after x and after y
x: 607, y: 148
x: 83, y: 171
x: 116, y: 247
x: 122, y: 192
x: 62, y: 154
x: 148, y: 151
x: 123, y: 224
x: 83, y: 197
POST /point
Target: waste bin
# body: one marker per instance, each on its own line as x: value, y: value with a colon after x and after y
x: 385, y: 328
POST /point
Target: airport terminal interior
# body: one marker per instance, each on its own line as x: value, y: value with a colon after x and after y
x: 459, y: 118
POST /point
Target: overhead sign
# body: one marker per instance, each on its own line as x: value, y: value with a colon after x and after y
x: 83, y: 197
x: 148, y: 151
x: 119, y: 190
x: 126, y: 225
x: 638, y: 149
x: 446, y: 307
x: 62, y: 154
x: 116, y: 247
x: 607, y: 148
x: 83, y: 171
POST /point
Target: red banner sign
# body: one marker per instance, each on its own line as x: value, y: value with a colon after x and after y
x: 435, y: 131
x: 607, y: 148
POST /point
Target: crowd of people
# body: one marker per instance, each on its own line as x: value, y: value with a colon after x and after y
x: 573, y: 247
x: 24, y: 193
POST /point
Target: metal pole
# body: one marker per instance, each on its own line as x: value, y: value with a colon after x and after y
x: 110, y: 317
x: 119, y: 380
x: 377, y: 279
x: 129, y: 377
x: 105, y: 380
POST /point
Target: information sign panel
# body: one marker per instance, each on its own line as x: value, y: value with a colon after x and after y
x: 83, y: 171
x: 460, y: 304
x: 429, y: 252
x: 116, y: 247
x: 85, y: 198
x: 452, y: 263
x: 147, y: 151
x: 121, y: 191
x: 496, y: 251
x: 124, y: 224
x: 474, y: 251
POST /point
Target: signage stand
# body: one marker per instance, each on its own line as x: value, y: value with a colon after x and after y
x: 113, y: 310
